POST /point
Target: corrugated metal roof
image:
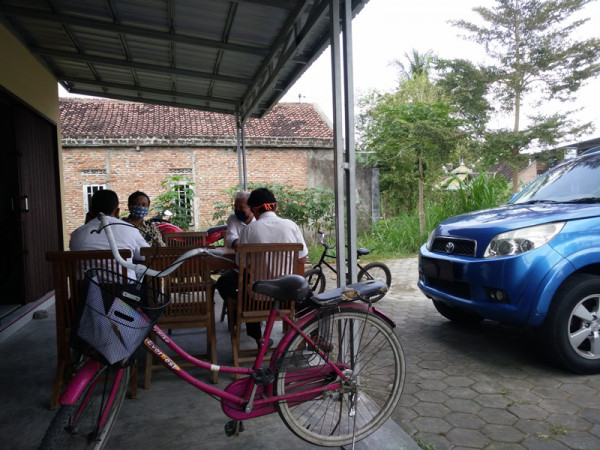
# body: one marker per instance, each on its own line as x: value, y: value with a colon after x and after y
x: 213, y: 55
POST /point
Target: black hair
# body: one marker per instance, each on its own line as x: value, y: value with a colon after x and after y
x: 104, y: 201
x: 135, y: 195
x: 263, y: 199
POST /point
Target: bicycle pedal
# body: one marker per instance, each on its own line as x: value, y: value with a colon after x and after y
x: 263, y: 377
x: 234, y: 428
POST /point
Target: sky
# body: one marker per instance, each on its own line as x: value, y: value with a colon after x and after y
x: 387, y: 29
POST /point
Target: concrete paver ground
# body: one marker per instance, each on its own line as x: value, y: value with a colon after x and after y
x: 484, y: 387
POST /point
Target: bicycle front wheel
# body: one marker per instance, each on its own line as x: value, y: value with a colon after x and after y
x: 369, y: 353
x: 87, y: 423
x: 316, y: 280
x: 376, y: 271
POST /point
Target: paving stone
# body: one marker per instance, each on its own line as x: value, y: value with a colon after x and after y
x: 570, y: 421
x: 503, y: 433
x: 578, y: 440
x: 493, y: 400
x: 431, y: 396
x: 533, y: 427
x: 459, y: 381
x: 497, y: 416
x: 463, y: 405
x: 551, y: 392
x: 464, y: 420
x: 432, y: 441
x: 467, y: 438
x: 431, y: 425
x: 558, y: 406
x: 528, y: 411
x: 536, y: 443
x: 426, y: 409
x: 461, y: 393
x: 434, y: 385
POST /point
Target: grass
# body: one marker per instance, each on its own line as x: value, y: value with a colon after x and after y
x: 400, y: 237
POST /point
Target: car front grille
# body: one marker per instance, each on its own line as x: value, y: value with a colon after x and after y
x: 454, y: 246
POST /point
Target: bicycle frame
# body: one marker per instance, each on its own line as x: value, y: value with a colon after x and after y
x: 238, y: 398
x: 325, y: 255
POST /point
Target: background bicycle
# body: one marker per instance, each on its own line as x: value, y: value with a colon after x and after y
x: 317, y: 278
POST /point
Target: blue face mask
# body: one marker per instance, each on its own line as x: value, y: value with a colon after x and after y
x: 138, y: 212
x: 241, y: 215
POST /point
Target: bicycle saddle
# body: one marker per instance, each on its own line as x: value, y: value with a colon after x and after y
x: 362, y: 251
x: 363, y: 290
x: 287, y: 287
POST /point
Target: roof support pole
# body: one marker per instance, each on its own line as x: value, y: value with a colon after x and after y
x: 241, y: 153
x: 343, y: 126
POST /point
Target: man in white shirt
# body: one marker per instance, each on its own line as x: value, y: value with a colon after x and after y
x: 241, y: 217
x: 126, y: 235
x: 269, y: 228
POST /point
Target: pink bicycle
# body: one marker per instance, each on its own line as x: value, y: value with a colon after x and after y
x: 334, y: 378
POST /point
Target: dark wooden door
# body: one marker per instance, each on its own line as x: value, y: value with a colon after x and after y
x: 12, y: 284
x: 30, y: 205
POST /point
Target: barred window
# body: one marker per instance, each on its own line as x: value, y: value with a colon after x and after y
x: 93, y: 172
x: 88, y: 191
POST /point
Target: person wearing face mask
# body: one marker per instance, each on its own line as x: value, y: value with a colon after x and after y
x: 241, y: 217
x: 139, y: 205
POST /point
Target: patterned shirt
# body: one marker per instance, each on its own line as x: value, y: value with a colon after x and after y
x: 149, y: 232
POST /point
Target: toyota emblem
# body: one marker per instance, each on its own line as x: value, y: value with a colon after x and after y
x: 449, y: 247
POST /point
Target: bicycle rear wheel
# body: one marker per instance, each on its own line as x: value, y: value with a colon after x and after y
x: 87, y: 423
x: 372, y: 358
x: 376, y: 271
x: 316, y: 280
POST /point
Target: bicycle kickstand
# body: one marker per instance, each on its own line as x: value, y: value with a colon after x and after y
x: 234, y: 428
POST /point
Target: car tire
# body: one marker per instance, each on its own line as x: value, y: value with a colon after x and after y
x: 457, y: 315
x: 571, y: 331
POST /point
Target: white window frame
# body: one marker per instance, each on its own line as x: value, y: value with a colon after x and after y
x: 88, y: 191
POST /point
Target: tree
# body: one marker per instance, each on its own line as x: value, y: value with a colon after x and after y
x: 533, y: 53
x: 409, y: 131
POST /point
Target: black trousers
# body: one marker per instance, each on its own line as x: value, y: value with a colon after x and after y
x: 227, y: 285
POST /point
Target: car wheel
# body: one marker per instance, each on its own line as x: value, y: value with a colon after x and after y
x: 571, y: 331
x: 457, y: 315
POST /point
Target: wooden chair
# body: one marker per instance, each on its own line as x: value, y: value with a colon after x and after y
x: 258, y: 262
x: 190, y: 289
x: 186, y: 239
x: 68, y: 270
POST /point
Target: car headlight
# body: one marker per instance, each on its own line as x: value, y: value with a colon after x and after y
x: 522, y: 240
x: 429, y: 242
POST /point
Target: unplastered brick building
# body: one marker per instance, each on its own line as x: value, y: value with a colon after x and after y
x: 127, y: 146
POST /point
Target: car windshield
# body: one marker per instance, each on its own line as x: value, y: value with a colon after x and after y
x: 575, y: 181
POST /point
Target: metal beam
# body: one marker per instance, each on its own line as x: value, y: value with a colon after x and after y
x: 106, y: 26
x: 268, y: 72
x: 148, y: 90
x: 135, y: 65
x: 172, y: 103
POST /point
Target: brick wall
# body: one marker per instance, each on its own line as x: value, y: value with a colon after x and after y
x: 126, y: 169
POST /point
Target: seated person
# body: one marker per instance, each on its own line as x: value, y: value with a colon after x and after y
x: 127, y: 237
x: 267, y: 228
x: 139, y: 205
x: 241, y: 217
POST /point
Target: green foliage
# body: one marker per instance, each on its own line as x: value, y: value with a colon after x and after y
x: 400, y: 235
x: 177, y: 198
x: 310, y: 209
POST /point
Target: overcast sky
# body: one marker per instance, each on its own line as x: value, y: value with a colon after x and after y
x: 387, y: 29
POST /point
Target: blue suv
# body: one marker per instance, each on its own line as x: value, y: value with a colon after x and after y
x: 534, y: 261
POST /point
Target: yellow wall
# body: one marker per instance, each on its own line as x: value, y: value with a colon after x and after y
x: 25, y: 78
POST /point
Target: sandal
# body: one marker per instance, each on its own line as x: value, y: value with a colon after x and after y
x: 259, y: 343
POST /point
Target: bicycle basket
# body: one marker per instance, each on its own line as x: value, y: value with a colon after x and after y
x: 116, y: 314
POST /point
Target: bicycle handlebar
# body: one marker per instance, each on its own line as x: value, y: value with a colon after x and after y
x: 141, y: 269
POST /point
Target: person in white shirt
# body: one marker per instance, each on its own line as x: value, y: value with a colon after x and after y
x: 241, y: 217
x: 126, y: 235
x: 267, y: 228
